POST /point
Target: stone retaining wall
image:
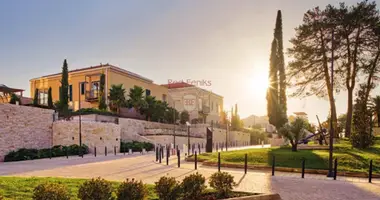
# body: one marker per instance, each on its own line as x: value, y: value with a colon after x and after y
x: 94, y: 134
x: 24, y: 127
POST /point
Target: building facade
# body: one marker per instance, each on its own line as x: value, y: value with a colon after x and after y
x: 197, y: 101
x: 84, y: 85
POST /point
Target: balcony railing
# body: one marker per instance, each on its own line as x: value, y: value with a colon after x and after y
x: 92, y: 95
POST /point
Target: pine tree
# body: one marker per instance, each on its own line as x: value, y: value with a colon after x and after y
x: 35, y: 99
x: 281, y: 70
x: 102, y: 99
x: 64, y: 98
x: 50, y: 99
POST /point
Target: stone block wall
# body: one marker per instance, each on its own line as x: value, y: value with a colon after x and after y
x: 24, y: 127
x: 94, y: 134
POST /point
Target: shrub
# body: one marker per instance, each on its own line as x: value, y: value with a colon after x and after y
x: 168, y: 188
x: 51, y: 191
x: 131, y: 190
x: 21, y: 154
x: 223, y: 183
x: 193, y: 186
x: 95, y: 189
x: 136, y: 146
x: 31, y: 154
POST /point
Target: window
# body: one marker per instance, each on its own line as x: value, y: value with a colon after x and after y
x: 217, y: 108
x: 70, y: 92
x: 42, y: 97
x: 82, y: 88
x: 94, y: 89
x: 147, y: 92
x: 212, y: 106
x: 164, y: 97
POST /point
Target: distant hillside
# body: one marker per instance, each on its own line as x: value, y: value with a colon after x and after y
x: 254, y: 120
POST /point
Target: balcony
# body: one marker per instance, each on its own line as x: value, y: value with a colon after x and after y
x: 92, y: 96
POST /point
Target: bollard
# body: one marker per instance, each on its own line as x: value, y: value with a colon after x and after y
x: 245, y: 163
x: 50, y: 153
x: 218, y: 161
x: 105, y: 150
x: 114, y: 149
x: 303, y: 168
x: 273, y: 164
x: 159, y: 157
x: 156, y: 154
x: 167, y: 156
x: 162, y: 152
x: 370, y: 172
x: 179, y: 158
x: 196, y: 161
x: 67, y: 153
x: 123, y: 149
x: 95, y: 151
x: 335, y: 168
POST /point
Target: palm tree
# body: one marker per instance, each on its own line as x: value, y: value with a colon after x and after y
x: 117, y: 97
x: 149, y: 107
x: 376, y: 108
x: 136, y: 98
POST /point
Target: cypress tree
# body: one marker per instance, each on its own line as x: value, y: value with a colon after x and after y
x: 64, y: 98
x: 35, y: 99
x: 102, y: 100
x: 272, y: 93
x: 281, y: 69
x: 50, y: 99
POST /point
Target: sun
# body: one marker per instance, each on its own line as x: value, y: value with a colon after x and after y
x: 259, y: 84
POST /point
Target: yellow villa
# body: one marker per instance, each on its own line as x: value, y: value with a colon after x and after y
x: 84, y: 85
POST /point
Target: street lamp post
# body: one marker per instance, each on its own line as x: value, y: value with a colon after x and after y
x: 188, y: 138
x: 331, y: 173
x: 174, y: 111
x: 80, y: 118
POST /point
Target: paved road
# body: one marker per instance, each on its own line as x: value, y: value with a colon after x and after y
x: 289, y: 186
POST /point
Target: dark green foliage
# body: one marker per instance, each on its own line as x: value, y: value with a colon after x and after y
x: 117, y: 97
x: 281, y: 70
x: 51, y: 191
x: 95, y: 189
x: 56, y: 151
x: 35, y: 99
x: 362, y: 136
x: 132, y: 190
x: 184, y: 117
x: 294, y: 131
x: 85, y: 111
x: 223, y: 183
x: 171, y: 115
x: 193, y: 186
x: 14, y: 99
x: 376, y: 108
x: 102, y: 98
x: 50, y: 99
x: 167, y: 188
x: 136, y: 98
x: 64, y: 97
x: 136, y: 146
x: 258, y: 135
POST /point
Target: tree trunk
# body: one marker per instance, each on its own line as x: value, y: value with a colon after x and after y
x: 294, y: 146
x: 378, y: 119
x: 349, y: 113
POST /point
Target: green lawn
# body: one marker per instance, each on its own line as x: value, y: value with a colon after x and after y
x: 349, y: 159
x: 22, y: 188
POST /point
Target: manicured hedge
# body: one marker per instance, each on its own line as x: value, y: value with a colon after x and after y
x: 55, y: 151
x: 136, y: 146
x: 86, y: 111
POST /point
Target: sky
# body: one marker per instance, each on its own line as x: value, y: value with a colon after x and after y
x: 224, y: 42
